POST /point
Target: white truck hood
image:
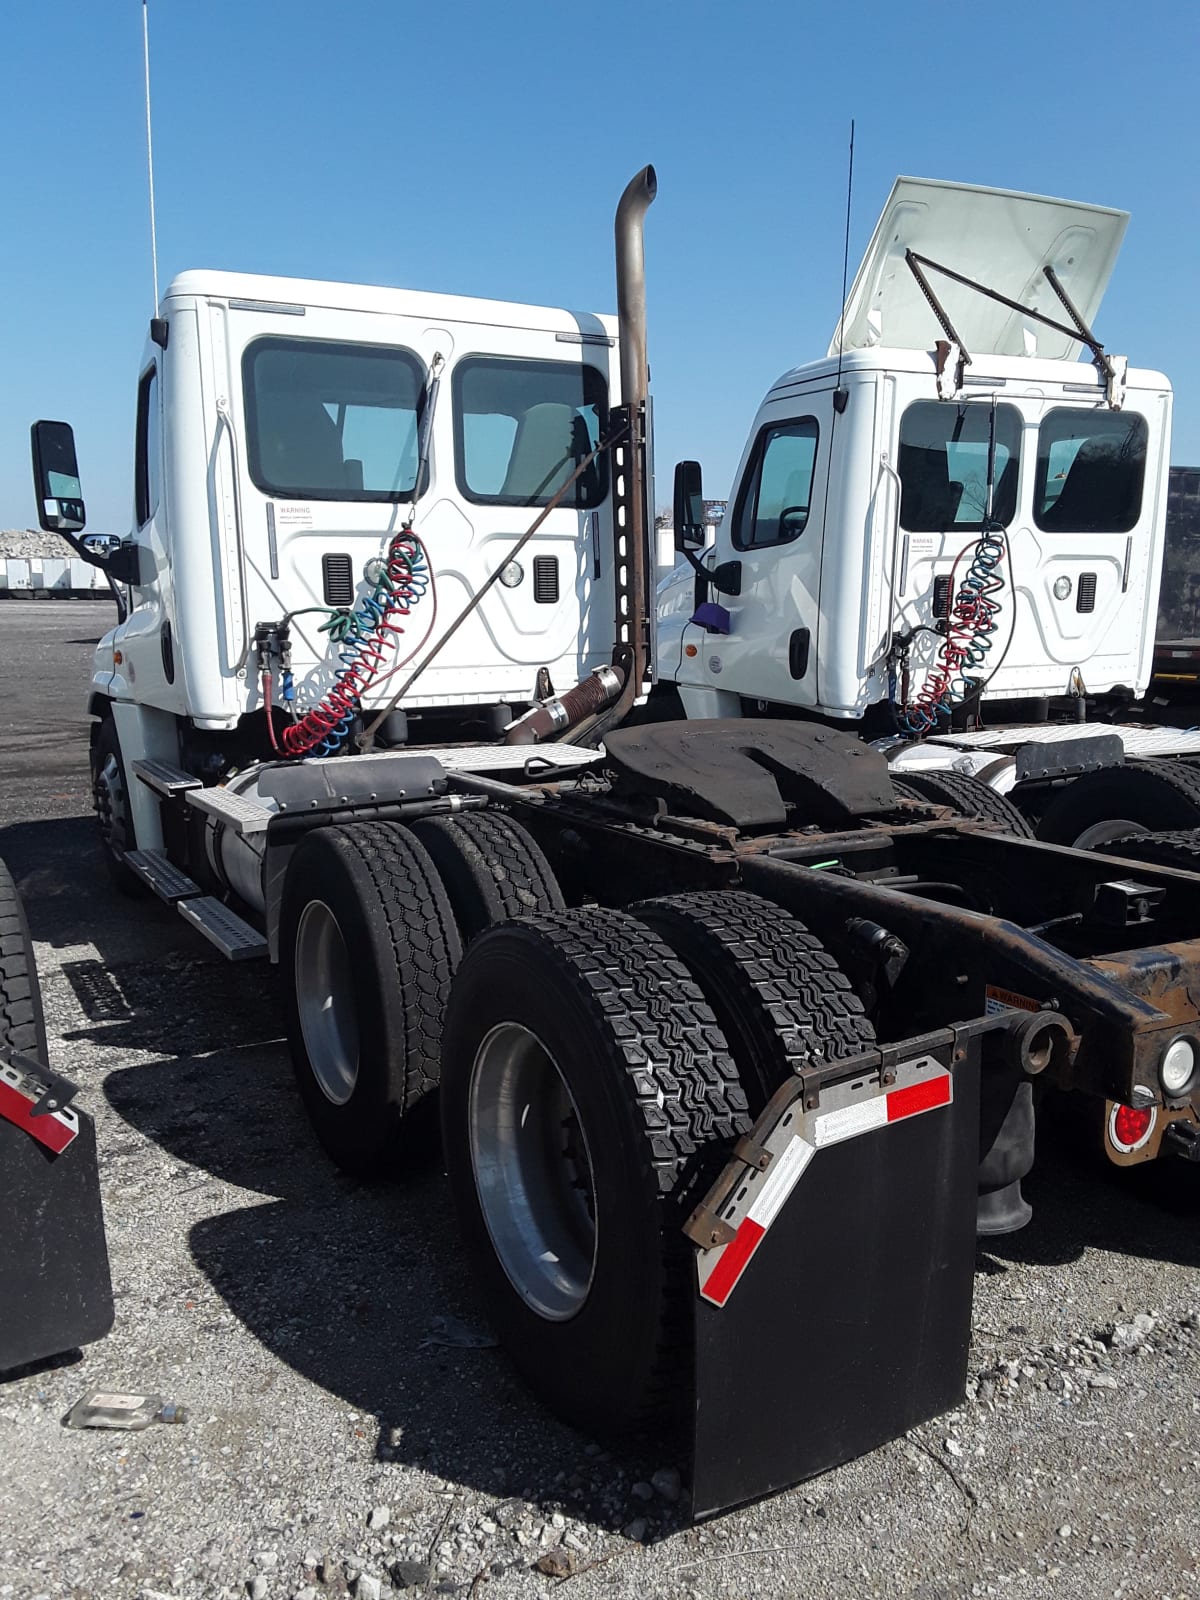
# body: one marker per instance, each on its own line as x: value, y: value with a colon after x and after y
x: 996, y: 237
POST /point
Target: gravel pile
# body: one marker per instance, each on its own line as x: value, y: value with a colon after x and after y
x: 28, y: 544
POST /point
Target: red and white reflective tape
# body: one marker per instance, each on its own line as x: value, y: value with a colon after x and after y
x: 18, y: 1096
x: 761, y: 1198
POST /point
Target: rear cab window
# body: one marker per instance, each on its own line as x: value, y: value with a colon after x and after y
x: 944, y: 466
x: 1091, y: 467
x: 521, y: 427
x: 331, y: 421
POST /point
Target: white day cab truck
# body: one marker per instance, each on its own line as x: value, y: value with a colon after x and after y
x: 735, y: 1041
x: 957, y: 552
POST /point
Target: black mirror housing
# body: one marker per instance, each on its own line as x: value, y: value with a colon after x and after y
x: 131, y: 563
x: 56, y: 478
x: 689, y: 506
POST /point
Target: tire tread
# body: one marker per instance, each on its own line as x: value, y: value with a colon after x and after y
x: 966, y: 795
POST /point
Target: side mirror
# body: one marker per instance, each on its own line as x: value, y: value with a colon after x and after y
x: 689, y: 506
x: 56, y: 478
x: 98, y: 547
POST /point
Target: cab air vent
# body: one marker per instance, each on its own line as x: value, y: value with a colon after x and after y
x: 1085, y: 595
x: 338, y: 575
x: 941, y: 595
x: 545, y: 580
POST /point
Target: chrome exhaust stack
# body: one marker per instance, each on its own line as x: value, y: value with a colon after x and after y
x: 631, y: 284
x: 604, y: 699
x: 632, y: 519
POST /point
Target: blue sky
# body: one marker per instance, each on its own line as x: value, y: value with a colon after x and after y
x: 480, y: 149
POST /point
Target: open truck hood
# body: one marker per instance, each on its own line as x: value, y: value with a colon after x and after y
x: 997, y: 237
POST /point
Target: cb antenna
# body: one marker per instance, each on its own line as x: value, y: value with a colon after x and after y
x: 150, y: 150
x: 839, y: 395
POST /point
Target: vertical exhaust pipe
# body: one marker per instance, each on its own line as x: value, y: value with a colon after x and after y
x: 604, y: 699
x: 632, y: 537
x: 631, y: 284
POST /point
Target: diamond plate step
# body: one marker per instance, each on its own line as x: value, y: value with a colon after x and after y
x: 168, y: 881
x: 243, y: 816
x: 165, y: 778
x: 234, y: 938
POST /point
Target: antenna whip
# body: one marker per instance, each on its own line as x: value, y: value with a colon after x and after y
x: 150, y: 150
x: 846, y: 254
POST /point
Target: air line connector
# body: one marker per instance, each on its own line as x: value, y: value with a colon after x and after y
x: 272, y: 645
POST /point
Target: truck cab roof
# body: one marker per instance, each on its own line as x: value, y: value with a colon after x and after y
x: 292, y: 296
x: 987, y: 372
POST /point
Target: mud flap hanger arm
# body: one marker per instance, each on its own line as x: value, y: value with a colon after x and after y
x: 950, y: 352
x: 54, y: 1093
x: 707, y: 1228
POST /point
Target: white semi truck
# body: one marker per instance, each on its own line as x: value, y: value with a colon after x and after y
x: 947, y: 533
x: 736, y: 1042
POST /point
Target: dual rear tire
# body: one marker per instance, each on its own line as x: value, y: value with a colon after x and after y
x: 595, y: 1067
x: 373, y: 922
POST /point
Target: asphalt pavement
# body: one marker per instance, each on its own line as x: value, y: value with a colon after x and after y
x: 352, y: 1426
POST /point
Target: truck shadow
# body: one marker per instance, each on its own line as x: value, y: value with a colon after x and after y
x: 1080, y: 1203
x: 365, y: 1294
x: 151, y: 984
x: 363, y: 1290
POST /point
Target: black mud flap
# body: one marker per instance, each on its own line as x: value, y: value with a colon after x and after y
x: 55, y: 1289
x: 835, y: 1314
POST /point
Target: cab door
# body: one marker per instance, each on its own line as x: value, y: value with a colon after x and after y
x: 775, y: 531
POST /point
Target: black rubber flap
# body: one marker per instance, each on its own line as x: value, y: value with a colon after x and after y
x: 745, y: 771
x: 55, y: 1290
x: 851, y: 1323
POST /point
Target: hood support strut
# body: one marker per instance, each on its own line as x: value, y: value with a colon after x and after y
x: 1112, y: 368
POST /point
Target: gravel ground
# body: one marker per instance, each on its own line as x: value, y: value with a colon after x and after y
x: 352, y: 1428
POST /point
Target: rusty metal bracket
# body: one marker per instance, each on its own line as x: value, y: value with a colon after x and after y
x: 752, y: 1153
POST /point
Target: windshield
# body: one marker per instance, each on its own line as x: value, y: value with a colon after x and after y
x: 329, y: 421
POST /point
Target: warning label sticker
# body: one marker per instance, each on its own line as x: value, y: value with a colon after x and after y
x: 1007, y: 1000
x: 290, y: 517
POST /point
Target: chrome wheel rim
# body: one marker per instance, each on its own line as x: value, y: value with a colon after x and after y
x: 325, y: 1001
x: 533, y: 1172
x: 1105, y: 832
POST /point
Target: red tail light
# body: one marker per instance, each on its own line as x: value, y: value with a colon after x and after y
x: 1130, y: 1126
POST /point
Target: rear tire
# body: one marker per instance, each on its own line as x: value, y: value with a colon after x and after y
x: 491, y: 867
x: 110, y: 801
x: 1178, y: 849
x: 367, y: 946
x: 1102, y: 807
x: 22, y: 1024
x: 779, y: 997
x: 966, y: 796
x: 588, y: 1098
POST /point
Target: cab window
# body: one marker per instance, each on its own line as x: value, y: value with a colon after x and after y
x: 328, y: 421
x: 773, y: 506
x: 1091, y: 466
x: 944, y: 466
x: 522, y: 427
